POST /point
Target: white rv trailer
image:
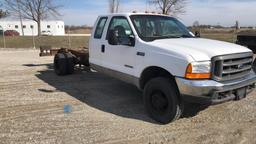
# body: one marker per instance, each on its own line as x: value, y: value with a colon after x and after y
x: 55, y: 28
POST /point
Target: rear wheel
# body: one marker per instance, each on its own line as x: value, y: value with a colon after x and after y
x: 70, y: 63
x: 161, y: 100
x: 60, y: 66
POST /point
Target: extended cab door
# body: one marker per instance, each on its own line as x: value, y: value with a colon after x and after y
x: 120, y: 55
x: 97, y: 41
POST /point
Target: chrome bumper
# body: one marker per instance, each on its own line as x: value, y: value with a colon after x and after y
x: 210, y: 91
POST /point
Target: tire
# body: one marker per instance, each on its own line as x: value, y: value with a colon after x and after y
x: 161, y: 100
x: 60, y: 66
x: 70, y: 63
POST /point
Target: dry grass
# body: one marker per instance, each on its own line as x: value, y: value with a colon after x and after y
x: 228, y: 37
x: 54, y: 41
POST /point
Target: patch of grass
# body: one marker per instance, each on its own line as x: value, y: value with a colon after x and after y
x: 54, y: 41
x: 228, y: 37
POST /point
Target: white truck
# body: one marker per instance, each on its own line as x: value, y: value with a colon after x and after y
x: 166, y: 61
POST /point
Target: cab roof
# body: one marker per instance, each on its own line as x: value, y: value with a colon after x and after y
x: 129, y: 14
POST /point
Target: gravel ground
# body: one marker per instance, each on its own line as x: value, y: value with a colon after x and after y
x: 36, y: 106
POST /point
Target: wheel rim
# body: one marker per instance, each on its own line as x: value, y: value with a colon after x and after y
x: 159, y: 101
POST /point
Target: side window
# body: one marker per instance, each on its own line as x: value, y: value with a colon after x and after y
x: 121, y: 26
x: 100, y: 27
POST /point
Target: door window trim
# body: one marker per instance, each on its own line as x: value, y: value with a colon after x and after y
x: 112, y: 21
x: 98, y: 24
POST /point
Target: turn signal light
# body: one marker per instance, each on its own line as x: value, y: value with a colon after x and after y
x: 190, y: 75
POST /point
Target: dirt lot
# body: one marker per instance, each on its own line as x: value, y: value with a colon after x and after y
x: 103, y: 110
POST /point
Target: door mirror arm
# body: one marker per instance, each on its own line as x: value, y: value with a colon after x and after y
x: 131, y: 41
x: 127, y: 41
x: 197, y: 34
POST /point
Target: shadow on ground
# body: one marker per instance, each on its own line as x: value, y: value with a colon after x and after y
x: 104, y: 93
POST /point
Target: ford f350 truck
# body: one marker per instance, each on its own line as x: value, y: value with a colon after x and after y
x: 165, y: 60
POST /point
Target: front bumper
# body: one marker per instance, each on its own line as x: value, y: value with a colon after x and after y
x: 213, y: 92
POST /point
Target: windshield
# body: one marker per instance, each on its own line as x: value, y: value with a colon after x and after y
x: 152, y: 27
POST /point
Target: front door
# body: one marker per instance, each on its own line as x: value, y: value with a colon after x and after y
x: 119, y: 57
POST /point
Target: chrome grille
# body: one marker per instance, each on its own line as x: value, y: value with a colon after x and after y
x: 229, y: 67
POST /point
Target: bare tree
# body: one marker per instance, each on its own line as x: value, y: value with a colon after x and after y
x: 196, y: 24
x: 36, y: 10
x: 3, y: 13
x: 114, y: 6
x: 170, y: 7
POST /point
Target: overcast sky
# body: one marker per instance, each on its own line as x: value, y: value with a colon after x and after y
x: 223, y: 12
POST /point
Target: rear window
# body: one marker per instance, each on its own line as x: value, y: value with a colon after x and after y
x: 100, y: 27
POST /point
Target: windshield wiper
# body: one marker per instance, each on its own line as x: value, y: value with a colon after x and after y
x: 186, y: 36
x: 164, y: 37
x: 167, y: 37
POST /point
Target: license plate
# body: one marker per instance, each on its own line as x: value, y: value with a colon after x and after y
x: 240, y: 93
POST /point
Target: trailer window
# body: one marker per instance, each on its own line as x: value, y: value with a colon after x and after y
x: 100, y: 27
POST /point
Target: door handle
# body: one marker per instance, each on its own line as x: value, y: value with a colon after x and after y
x: 140, y: 54
x: 102, y: 48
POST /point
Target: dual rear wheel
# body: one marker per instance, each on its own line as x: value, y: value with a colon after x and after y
x: 64, y: 64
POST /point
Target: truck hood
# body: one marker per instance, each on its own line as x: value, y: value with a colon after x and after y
x: 198, y: 48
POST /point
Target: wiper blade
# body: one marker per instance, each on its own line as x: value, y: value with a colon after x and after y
x: 186, y: 36
x: 165, y: 37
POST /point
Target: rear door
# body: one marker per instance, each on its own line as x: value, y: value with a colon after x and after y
x: 97, y: 41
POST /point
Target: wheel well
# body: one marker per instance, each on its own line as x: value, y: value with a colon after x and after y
x: 153, y: 72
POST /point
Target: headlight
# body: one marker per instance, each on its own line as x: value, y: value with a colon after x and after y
x: 198, y: 70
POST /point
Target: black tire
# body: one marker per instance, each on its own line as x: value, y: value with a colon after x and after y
x: 161, y: 100
x: 70, y: 63
x: 60, y: 66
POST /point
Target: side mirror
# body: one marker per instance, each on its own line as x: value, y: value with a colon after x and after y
x: 197, y: 34
x: 127, y: 40
x: 131, y: 41
x: 113, y: 37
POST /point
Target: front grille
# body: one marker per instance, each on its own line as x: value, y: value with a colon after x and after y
x: 229, y: 67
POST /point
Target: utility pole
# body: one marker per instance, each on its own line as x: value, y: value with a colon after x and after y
x: 69, y: 38
x: 3, y: 36
x: 21, y: 22
x: 33, y: 37
x: 147, y: 4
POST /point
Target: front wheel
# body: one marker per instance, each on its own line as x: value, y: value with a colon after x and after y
x: 161, y: 100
